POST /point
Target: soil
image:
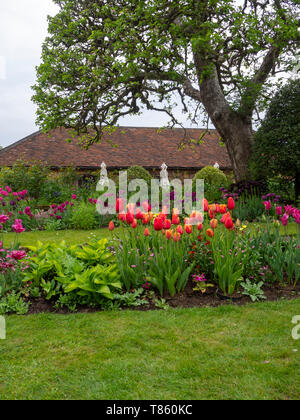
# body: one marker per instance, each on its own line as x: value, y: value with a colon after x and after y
x: 187, y: 299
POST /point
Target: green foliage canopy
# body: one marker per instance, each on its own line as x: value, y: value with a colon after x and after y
x: 277, y: 142
x: 106, y: 59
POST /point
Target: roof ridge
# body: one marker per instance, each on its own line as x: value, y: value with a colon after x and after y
x: 20, y: 141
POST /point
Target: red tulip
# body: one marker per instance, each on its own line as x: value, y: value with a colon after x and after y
x: 205, y: 205
x: 188, y: 229
x: 111, y: 226
x: 129, y: 218
x: 146, y: 206
x: 122, y: 217
x: 231, y: 203
x: 179, y: 229
x: 200, y: 226
x: 167, y: 224
x: 139, y: 215
x: 158, y: 224
x: 134, y: 224
x: 119, y: 205
x: 229, y: 223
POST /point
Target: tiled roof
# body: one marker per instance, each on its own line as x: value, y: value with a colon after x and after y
x: 146, y: 147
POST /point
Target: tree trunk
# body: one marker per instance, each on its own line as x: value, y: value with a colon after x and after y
x: 235, y: 129
x: 238, y: 138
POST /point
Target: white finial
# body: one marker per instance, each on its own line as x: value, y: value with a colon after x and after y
x: 216, y: 165
x: 103, y: 175
x: 164, y: 178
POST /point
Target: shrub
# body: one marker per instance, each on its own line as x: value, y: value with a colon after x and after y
x: 138, y: 172
x: 24, y: 176
x: 214, y: 179
x: 84, y: 217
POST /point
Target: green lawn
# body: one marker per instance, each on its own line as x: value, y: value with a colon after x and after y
x: 81, y: 236
x: 210, y: 353
x: 70, y: 236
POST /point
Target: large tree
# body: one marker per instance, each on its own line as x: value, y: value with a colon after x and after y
x: 104, y: 59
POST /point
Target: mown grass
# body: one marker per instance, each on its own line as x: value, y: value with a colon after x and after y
x: 205, y: 353
x: 82, y: 236
x: 70, y: 236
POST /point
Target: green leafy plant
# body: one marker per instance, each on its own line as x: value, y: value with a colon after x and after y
x: 130, y: 299
x: 161, y: 304
x: 253, y: 290
x: 227, y: 256
x: 83, y: 217
x: 13, y: 303
x: 88, y: 271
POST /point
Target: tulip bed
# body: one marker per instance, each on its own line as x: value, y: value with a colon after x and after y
x: 152, y: 261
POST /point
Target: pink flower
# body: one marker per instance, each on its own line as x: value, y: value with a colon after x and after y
x: 17, y: 226
x: 279, y: 210
x: 268, y: 205
x: 17, y: 255
x: 74, y: 196
x: 284, y: 219
x: 288, y: 210
x: 3, y: 218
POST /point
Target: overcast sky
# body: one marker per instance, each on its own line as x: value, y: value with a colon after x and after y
x: 23, y: 27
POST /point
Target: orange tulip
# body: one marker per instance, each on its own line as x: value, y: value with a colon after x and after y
x: 210, y: 233
x: 111, y: 226
x: 147, y: 233
x: 212, y: 207
x: 223, y: 208
x: 131, y: 207
x: 214, y: 223
x: 175, y: 220
x: 165, y: 210
x: 146, y: 219
x: 205, y: 205
x: 169, y: 234
x: 176, y: 236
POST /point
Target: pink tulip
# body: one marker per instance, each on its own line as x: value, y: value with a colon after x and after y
x: 284, y: 219
x: 268, y: 205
